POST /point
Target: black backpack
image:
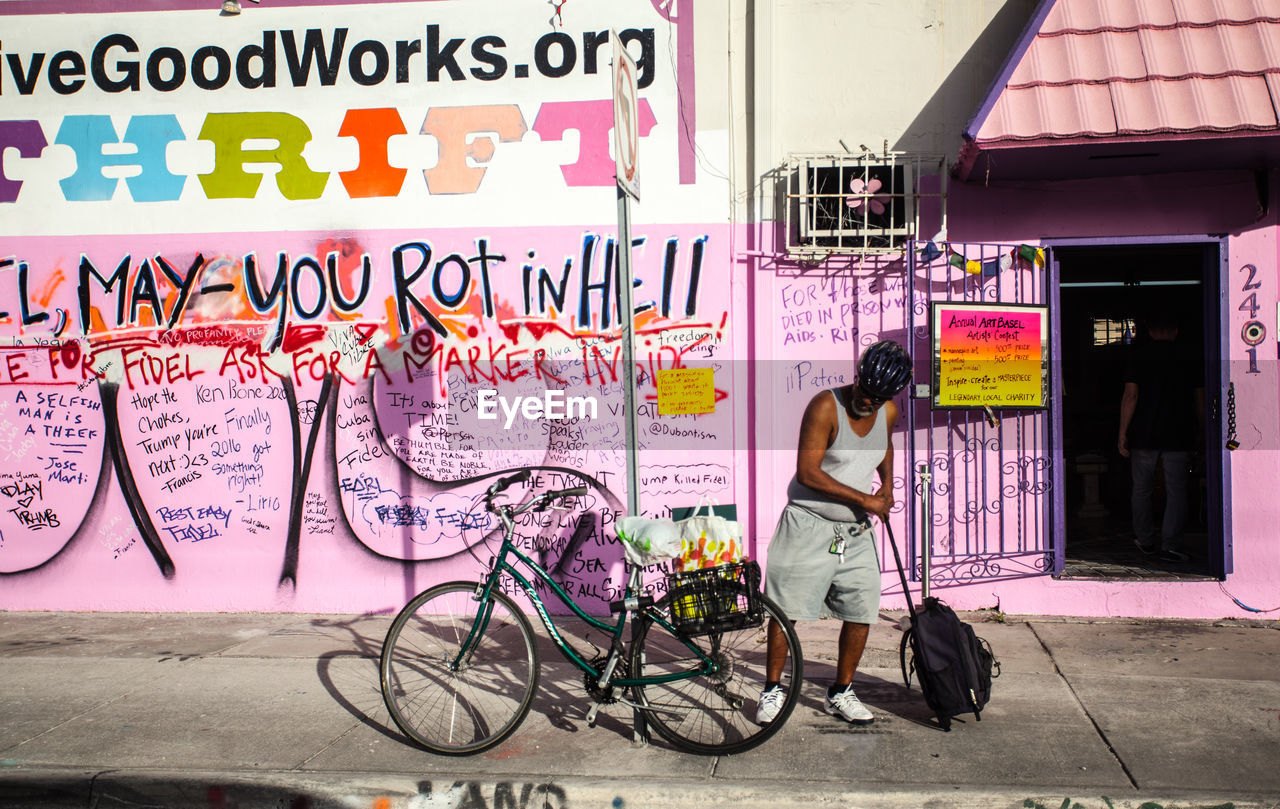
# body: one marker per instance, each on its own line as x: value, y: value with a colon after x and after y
x: 955, y: 666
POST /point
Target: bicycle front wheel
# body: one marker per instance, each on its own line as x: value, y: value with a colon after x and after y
x: 714, y: 714
x: 458, y: 675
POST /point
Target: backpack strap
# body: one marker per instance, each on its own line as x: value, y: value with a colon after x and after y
x: 995, y: 664
x: 902, y: 656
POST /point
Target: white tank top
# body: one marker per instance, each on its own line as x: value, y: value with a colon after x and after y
x: 852, y: 460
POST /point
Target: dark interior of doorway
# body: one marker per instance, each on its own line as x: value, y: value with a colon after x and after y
x: 1107, y: 294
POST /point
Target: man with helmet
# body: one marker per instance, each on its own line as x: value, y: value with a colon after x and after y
x: 823, y: 560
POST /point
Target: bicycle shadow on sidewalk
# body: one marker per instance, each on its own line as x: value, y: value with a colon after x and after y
x: 561, y: 698
x: 357, y: 688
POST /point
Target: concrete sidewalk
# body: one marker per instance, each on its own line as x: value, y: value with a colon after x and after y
x: 284, y: 710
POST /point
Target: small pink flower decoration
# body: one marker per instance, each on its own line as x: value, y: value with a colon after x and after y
x: 865, y: 194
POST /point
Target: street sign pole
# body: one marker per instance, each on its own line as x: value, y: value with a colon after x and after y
x: 626, y: 142
x: 626, y: 312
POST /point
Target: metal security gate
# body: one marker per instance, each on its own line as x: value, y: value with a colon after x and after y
x: 990, y: 473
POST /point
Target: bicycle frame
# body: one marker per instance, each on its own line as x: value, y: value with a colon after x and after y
x: 501, y: 565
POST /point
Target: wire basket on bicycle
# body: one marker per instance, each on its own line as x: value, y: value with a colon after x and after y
x: 716, y: 599
x: 705, y: 597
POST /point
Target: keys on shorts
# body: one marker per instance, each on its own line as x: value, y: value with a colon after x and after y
x: 837, y: 545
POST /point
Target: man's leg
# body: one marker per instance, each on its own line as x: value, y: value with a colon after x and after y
x: 1143, y: 463
x: 777, y: 654
x: 853, y: 641
x: 773, y: 697
x: 794, y: 576
x: 841, y: 701
x: 1175, y: 501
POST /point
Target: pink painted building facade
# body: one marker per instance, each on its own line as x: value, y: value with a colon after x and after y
x: 1135, y: 144
x: 258, y: 273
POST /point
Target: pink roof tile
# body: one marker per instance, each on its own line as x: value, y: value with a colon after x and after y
x: 1098, y: 15
x: 1193, y: 105
x: 1070, y: 58
x: 1211, y: 51
x: 1070, y: 109
x: 1199, y: 12
x: 1101, y: 69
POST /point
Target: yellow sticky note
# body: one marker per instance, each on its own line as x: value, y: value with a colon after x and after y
x: 682, y: 391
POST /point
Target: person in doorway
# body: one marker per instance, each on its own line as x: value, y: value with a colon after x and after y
x: 1159, y: 416
x: 823, y: 560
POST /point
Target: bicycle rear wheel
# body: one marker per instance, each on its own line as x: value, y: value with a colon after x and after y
x: 451, y: 707
x: 714, y: 714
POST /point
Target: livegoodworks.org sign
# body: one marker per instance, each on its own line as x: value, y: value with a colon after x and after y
x: 120, y: 63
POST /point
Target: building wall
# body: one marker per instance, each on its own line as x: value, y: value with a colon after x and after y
x: 1225, y: 203
x: 243, y: 369
x: 830, y: 78
x: 826, y: 78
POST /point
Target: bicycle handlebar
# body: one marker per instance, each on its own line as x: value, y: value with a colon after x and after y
x: 503, y: 483
x: 543, y: 501
x: 538, y: 503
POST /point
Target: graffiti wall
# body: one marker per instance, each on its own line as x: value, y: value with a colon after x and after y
x: 282, y: 296
x: 815, y: 322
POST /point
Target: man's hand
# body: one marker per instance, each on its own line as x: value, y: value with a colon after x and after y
x: 1128, y: 406
x: 879, y: 503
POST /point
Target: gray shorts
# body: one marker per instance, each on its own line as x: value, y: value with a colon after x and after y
x: 808, y: 581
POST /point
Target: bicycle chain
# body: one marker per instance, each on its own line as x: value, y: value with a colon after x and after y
x: 604, y: 696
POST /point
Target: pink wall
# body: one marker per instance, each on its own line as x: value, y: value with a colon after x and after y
x: 324, y: 451
x: 362, y: 541
x: 815, y: 321
x: 1173, y: 204
x: 180, y: 430
x: 1186, y: 204
x: 790, y: 300
x: 321, y: 450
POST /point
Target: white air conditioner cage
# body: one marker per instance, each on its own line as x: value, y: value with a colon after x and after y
x: 831, y: 208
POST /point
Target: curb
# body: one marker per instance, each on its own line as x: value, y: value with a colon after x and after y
x: 56, y: 788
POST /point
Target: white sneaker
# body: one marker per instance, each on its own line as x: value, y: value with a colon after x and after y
x: 231, y: 7
x: 847, y: 706
x: 770, y: 704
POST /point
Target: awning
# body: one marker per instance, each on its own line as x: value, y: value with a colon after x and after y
x: 1132, y: 87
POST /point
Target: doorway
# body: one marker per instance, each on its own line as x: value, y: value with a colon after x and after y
x: 1108, y: 295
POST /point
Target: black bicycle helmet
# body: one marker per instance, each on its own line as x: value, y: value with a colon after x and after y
x: 884, y: 370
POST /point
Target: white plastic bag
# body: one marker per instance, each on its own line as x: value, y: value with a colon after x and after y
x: 708, y: 540
x: 647, y: 541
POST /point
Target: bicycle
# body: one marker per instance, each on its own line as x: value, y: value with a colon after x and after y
x: 460, y: 665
